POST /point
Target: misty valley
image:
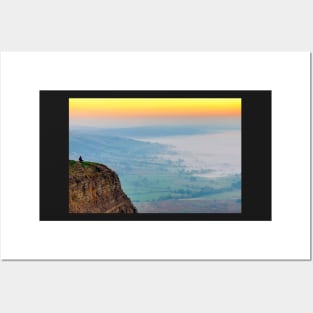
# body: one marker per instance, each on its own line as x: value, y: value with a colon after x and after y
x: 168, y: 169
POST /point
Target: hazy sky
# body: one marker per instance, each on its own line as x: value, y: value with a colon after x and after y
x: 131, y: 112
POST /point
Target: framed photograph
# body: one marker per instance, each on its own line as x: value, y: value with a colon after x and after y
x: 155, y: 156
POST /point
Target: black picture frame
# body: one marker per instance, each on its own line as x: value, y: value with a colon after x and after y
x: 256, y: 155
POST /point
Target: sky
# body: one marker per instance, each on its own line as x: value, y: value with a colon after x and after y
x: 129, y: 112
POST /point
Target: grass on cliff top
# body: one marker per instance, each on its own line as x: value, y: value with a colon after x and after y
x: 90, y: 167
x: 84, y: 164
x: 83, y: 168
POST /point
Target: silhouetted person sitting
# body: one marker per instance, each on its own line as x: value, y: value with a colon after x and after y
x: 80, y: 159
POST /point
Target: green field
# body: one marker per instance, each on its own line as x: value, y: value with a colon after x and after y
x: 165, y: 187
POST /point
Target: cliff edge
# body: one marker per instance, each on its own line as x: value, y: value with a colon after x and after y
x: 95, y: 188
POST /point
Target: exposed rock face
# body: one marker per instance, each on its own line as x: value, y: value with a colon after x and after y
x: 94, y: 188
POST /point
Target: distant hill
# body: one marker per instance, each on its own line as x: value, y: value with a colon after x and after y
x: 95, y: 188
x: 153, y: 131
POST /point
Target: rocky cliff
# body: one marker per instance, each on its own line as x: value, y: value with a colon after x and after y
x: 94, y: 188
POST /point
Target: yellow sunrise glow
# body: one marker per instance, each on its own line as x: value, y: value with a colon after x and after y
x: 153, y: 107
